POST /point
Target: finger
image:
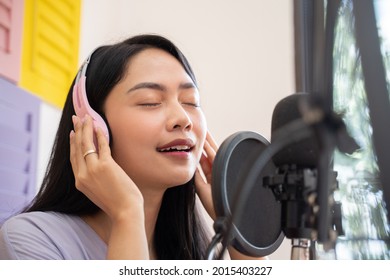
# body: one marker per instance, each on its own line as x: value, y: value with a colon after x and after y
x: 204, y: 162
x: 204, y: 192
x: 201, y: 184
x: 87, y: 134
x: 211, y: 140
x: 76, y: 141
x: 210, y: 151
x: 72, y: 154
x: 88, y: 147
x: 199, y: 178
x: 206, y: 167
x: 76, y: 156
x: 103, y: 145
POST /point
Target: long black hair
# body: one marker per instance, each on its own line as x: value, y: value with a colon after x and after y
x: 179, y: 233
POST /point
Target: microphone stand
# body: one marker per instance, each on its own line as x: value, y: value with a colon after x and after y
x: 296, y: 189
x: 300, y: 249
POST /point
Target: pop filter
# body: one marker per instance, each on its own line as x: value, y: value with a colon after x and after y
x: 258, y: 231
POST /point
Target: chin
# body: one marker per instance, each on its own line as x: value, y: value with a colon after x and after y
x: 180, y: 180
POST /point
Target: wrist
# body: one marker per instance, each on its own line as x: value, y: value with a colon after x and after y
x: 133, y: 212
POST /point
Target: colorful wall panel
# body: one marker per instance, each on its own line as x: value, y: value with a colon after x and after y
x: 50, y: 48
x: 19, y: 119
x: 11, y: 21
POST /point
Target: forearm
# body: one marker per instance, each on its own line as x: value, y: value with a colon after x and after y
x: 128, y: 238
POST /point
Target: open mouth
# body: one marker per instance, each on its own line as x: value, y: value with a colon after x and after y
x: 179, y: 148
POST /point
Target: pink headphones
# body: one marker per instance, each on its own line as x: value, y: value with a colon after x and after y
x: 80, y: 101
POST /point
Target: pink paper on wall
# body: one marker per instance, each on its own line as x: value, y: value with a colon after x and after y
x: 11, y: 23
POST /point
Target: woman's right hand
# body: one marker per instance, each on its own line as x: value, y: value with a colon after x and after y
x: 97, y: 175
x: 107, y: 185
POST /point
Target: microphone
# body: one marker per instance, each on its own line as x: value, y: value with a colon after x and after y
x: 305, y: 168
x: 263, y: 192
x: 296, y: 174
x: 302, y: 153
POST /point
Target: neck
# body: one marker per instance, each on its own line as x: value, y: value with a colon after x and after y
x: 152, y: 204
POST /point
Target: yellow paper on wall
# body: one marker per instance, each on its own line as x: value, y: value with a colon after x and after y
x: 50, y: 48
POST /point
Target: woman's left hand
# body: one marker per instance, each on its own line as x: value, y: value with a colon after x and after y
x: 203, y: 183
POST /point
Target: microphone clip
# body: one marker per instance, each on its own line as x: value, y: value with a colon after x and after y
x: 295, y: 188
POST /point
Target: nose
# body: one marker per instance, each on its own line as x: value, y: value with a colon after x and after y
x: 178, y: 118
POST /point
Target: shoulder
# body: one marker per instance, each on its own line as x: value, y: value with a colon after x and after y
x: 32, y: 218
x: 45, y: 235
x: 22, y: 236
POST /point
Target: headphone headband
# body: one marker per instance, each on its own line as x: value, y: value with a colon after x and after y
x: 80, y: 100
x: 83, y: 69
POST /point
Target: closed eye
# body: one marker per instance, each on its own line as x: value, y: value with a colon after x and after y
x: 196, y: 105
x: 149, y: 104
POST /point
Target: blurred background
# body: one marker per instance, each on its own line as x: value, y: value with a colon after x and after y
x: 242, y: 53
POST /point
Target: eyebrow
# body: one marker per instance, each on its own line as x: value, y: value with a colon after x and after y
x: 156, y: 86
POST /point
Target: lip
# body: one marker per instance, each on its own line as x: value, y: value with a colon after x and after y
x: 178, y: 142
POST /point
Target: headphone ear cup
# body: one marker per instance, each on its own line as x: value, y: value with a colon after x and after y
x: 82, y: 107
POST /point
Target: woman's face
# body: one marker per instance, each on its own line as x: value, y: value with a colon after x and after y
x: 158, y: 129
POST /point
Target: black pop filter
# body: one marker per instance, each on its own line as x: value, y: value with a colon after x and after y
x: 258, y: 231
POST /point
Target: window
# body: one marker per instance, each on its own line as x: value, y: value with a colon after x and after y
x: 364, y: 212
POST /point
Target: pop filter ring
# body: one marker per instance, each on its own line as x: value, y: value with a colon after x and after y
x: 240, y: 145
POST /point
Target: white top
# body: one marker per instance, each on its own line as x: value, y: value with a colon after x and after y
x: 49, y: 235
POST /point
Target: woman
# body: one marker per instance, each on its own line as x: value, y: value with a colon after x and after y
x: 134, y: 196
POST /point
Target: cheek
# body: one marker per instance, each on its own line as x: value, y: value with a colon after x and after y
x: 130, y: 135
x: 201, y: 125
x: 200, y: 128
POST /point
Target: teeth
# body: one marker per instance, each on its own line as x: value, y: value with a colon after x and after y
x: 178, y: 148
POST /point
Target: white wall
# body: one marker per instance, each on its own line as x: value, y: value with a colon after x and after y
x: 48, y: 123
x: 241, y: 52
